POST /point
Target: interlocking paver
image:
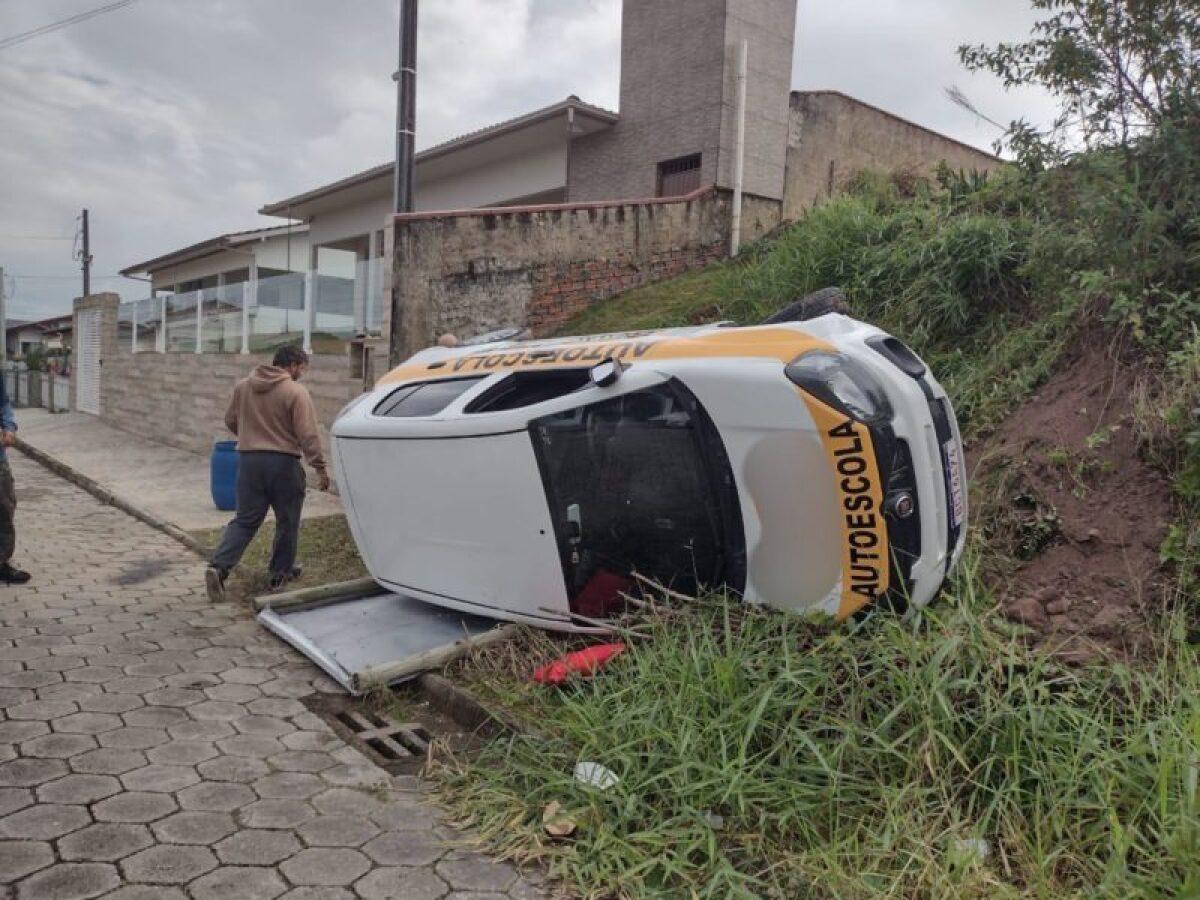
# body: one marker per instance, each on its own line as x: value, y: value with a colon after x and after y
x: 406, y: 848
x: 70, y: 881
x: 105, y: 842
x: 15, y: 732
x: 194, y: 828
x: 257, y: 847
x: 58, y: 746
x: 242, y: 882
x: 108, y: 761
x: 325, y: 866
x: 276, y: 813
x: 133, y: 806
x: 160, y: 779
x: 86, y: 723
x: 21, y: 858
x: 233, y: 768
x: 215, y: 796
x: 285, y: 785
x: 156, y: 717
x: 338, y: 831
x: 133, y: 738
x: 182, y: 753
x: 82, y: 789
x: 12, y: 799
x: 168, y: 864
x: 475, y: 874
x: 394, y: 884
x: 153, y: 746
x: 30, y: 772
x: 44, y: 822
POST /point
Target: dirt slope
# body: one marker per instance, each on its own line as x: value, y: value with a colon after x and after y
x: 1063, y: 488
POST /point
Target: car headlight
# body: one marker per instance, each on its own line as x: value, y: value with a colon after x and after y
x: 842, y: 383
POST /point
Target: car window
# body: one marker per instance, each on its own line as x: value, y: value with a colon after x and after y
x: 527, y: 388
x: 640, y: 483
x: 425, y: 399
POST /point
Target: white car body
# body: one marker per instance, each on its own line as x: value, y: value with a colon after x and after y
x: 537, y: 513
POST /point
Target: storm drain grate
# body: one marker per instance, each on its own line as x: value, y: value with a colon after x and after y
x: 390, y: 739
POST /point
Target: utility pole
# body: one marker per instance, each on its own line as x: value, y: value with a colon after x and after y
x: 86, y: 256
x: 406, y: 127
x: 3, y: 319
x: 406, y: 108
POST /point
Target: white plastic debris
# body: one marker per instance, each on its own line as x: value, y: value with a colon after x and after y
x: 972, y: 850
x: 595, y: 775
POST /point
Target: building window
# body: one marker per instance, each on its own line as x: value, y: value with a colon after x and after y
x: 679, y: 176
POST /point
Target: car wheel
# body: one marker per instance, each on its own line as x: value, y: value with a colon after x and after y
x: 818, y: 303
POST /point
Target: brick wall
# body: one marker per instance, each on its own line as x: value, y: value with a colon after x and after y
x: 537, y: 266
x: 180, y: 398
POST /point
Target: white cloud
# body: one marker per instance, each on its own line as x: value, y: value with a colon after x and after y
x: 174, y: 120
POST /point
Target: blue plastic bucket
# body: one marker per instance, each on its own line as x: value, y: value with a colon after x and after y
x: 224, y: 468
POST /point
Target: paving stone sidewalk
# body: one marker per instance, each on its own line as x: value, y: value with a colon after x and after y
x: 153, y: 746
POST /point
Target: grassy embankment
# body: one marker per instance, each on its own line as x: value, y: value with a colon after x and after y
x: 763, y: 755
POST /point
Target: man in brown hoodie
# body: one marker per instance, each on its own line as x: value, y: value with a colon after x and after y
x: 276, y: 424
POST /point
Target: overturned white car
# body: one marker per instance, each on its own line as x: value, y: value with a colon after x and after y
x: 809, y: 465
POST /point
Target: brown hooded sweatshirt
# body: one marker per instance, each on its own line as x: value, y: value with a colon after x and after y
x: 270, y: 411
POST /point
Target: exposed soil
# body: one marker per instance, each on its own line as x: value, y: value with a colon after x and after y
x: 1063, y: 487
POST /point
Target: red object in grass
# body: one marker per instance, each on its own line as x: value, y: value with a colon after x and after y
x: 582, y: 662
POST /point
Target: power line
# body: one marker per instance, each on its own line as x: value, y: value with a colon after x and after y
x: 15, y: 39
x: 33, y: 237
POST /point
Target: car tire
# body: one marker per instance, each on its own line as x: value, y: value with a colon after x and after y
x: 818, y: 303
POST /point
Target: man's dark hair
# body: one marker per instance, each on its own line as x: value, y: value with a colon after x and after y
x: 291, y: 355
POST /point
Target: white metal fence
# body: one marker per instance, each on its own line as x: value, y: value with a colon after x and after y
x: 320, y: 312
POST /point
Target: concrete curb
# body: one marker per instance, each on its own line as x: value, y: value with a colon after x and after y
x: 104, y: 495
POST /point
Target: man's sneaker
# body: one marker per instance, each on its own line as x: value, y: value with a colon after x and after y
x: 278, y: 581
x: 9, y: 574
x: 214, y: 583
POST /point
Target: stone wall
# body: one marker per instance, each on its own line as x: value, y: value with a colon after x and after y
x: 832, y: 137
x: 476, y: 271
x: 180, y: 398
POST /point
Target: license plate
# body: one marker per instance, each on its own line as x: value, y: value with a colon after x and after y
x: 954, y: 481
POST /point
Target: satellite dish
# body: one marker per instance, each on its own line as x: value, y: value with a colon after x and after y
x: 494, y: 337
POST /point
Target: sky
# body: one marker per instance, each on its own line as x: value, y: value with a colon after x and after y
x: 173, y: 121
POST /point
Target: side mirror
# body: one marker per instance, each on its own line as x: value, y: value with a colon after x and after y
x: 605, y: 373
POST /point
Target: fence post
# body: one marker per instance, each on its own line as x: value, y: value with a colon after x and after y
x: 310, y: 287
x: 200, y: 320
x: 162, y: 325
x: 133, y: 341
x: 249, y: 296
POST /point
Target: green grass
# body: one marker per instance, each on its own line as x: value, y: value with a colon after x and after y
x: 763, y: 755
x: 326, y: 551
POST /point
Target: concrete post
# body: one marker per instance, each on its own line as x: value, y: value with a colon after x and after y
x: 133, y: 323
x: 249, y: 296
x: 200, y: 320
x: 362, y: 282
x: 162, y: 325
x: 310, y: 299
x: 373, y: 281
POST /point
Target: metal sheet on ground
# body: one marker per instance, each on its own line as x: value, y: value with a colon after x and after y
x: 360, y: 640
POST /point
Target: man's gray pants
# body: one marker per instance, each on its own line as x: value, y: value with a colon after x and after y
x: 8, y: 510
x: 265, y: 481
